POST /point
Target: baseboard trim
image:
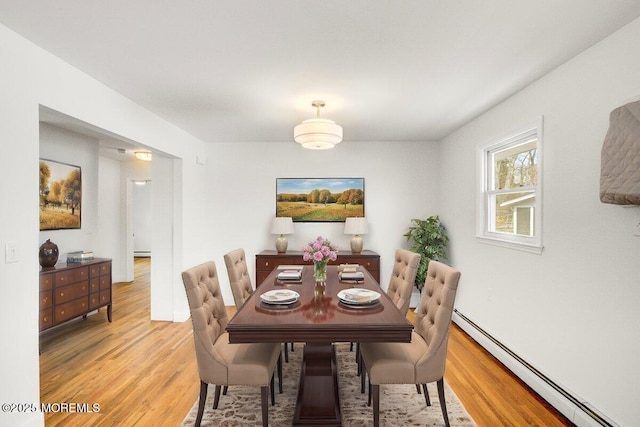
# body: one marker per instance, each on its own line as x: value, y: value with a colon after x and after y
x: 571, y: 406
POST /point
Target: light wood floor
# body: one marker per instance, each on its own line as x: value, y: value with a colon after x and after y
x: 144, y: 373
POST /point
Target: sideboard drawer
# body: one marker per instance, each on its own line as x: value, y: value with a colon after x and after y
x: 71, y: 309
x: 370, y: 263
x: 46, y: 299
x: 105, y: 297
x: 268, y: 264
x: 71, y: 292
x: 70, y: 276
x: 94, y: 284
x: 94, y: 270
x: 46, y: 281
x: 105, y: 282
x: 46, y: 318
x: 94, y: 301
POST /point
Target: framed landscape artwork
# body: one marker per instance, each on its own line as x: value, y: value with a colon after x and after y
x: 60, y: 195
x: 319, y: 199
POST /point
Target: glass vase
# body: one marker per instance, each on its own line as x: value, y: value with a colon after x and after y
x: 320, y: 271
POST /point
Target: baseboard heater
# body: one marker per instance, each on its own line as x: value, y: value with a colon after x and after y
x: 583, y: 406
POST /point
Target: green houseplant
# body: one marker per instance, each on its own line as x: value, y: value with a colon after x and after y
x: 429, y: 239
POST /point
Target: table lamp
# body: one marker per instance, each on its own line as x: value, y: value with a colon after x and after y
x: 356, y: 226
x: 282, y: 225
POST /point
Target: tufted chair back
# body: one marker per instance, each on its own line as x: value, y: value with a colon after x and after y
x: 402, y: 279
x: 433, y: 318
x: 209, y: 318
x: 239, y: 278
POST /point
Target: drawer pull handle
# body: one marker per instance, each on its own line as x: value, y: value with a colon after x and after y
x: 62, y: 312
x: 266, y: 263
x: 45, y: 319
x: 61, y: 294
x: 44, y: 299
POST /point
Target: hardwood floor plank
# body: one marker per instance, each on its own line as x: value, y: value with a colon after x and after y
x: 144, y: 373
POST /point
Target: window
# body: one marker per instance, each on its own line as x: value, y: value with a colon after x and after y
x: 510, y: 208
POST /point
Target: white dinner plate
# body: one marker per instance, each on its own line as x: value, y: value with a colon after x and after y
x: 358, y: 296
x: 280, y: 296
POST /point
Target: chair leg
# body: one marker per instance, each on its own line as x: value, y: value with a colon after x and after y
x: 203, y: 398
x: 376, y: 405
x: 369, y: 398
x: 286, y: 352
x: 363, y: 375
x: 351, y: 346
x: 443, y: 404
x: 224, y: 390
x: 358, y: 357
x: 264, y: 397
x: 273, y: 389
x: 426, y: 395
x: 418, y: 389
x: 292, y: 347
x: 280, y: 373
x: 217, y: 397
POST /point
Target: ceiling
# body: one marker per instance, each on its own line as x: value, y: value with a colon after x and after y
x: 247, y: 70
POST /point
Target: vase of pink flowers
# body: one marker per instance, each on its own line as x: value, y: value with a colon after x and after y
x: 320, y: 251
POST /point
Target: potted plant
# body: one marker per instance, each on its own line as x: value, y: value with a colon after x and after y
x: 430, y: 241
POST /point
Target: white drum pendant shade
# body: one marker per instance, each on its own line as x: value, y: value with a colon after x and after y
x: 317, y: 133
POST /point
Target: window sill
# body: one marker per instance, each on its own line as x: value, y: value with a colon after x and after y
x: 520, y: 246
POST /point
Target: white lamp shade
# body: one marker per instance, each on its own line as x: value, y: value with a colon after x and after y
x: 356, y: 226
x: 318, y: 134
x: 282, y: 225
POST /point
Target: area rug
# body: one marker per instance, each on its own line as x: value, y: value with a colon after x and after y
x: 400, y: 405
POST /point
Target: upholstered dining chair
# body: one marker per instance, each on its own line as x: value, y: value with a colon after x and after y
x: 423, y: 359
x: 403, y: 276
x: 240, y: 282
x: 219, y: 362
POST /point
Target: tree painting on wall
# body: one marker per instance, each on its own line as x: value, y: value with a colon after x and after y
x: 319, y: 199
x: 60, y: 195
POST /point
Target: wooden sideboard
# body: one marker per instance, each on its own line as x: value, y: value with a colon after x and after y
x: 266, y: 261
x: 69, y: 290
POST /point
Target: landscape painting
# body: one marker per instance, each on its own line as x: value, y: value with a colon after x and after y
x: 60, y: 195
x: 319, y: 199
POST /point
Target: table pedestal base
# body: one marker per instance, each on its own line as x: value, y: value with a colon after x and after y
x: 318, y: 402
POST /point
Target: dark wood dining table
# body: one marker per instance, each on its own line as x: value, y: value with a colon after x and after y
x: 318, y: 319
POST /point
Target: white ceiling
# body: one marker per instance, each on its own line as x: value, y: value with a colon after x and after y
x: 247, y: 70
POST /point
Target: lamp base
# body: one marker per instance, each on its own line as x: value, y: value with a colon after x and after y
x: 356, y: 244
x: 281, y: 244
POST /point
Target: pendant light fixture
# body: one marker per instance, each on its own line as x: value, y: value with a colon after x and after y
x: 317, y: 133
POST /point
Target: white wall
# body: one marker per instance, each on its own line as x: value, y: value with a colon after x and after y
x: 572, y: 311
x: 400, y: 184
x: 142, y: 217
x: 108, y: 237
x: 29, y: 78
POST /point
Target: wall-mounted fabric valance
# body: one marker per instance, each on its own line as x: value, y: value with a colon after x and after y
x: 620, y: 157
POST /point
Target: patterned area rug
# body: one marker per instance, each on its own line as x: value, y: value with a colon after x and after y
x: 400, y: 405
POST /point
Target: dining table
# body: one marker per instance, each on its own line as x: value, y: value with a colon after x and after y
x: 322, y: 315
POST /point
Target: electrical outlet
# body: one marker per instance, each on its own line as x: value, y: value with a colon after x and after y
x: 10, y: 253
x: 636, y: 224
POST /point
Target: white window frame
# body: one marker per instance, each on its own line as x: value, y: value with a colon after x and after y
x: 485, y: 210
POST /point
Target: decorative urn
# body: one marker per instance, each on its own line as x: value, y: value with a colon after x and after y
x: 48, y: 254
